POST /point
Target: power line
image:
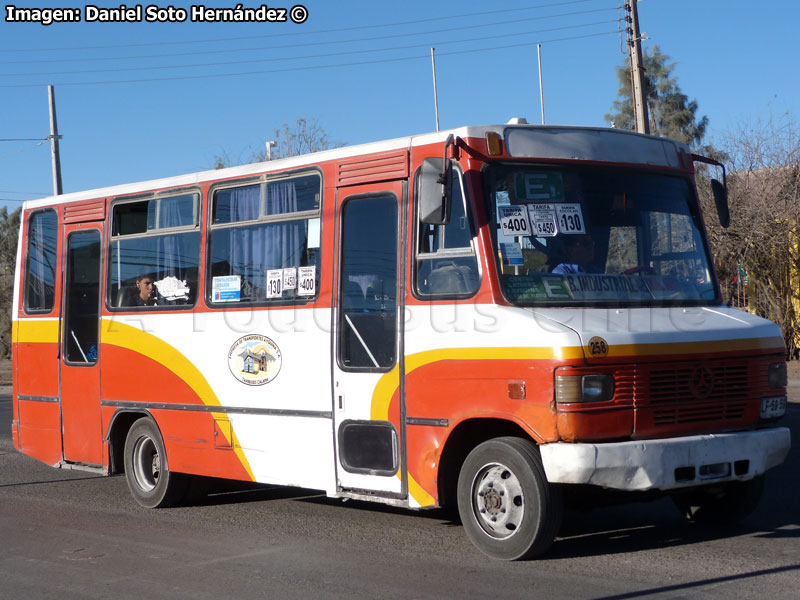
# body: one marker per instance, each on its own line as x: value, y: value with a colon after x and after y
x: 314, y: 32
x: 306, y: 56
x: 310, y: 67
x: 25, y: 193
x: 295, y: 45
x: 23, y: 139
x: 25, y: 149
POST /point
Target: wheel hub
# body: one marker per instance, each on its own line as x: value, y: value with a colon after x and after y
x: 146, y: 464
x: 498, y: 500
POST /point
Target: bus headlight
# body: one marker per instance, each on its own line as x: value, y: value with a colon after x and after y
x: 598, y: 387
x: 778, y: 377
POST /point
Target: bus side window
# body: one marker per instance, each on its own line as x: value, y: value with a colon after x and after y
x: 40, y: 262
x: 155, y: 245
x: 265, y: 241
x: 446, y: 264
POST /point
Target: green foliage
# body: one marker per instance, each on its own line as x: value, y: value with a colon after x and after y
x: 9, y: 232
x: 764, y: 236
x: 672, y: 114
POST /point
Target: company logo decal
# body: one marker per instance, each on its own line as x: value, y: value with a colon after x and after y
x: 254, y: 359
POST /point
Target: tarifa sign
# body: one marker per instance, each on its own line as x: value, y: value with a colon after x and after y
x: 254, y: 359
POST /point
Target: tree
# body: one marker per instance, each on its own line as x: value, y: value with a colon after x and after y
x: 302, y: 137
x: 672, y: 114
x: 764, y: 236
x: 9, y: 231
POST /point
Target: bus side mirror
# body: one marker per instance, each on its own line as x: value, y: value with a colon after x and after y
x: 721, y: 201
x: 719, y: 190
x: 435, y: 191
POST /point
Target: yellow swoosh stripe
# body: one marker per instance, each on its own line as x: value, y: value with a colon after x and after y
x: 40, y: 331
x: 389, y: 382
x: 620, y: 350
x: 131, y: 338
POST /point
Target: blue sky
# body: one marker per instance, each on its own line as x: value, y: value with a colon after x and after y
x: 367, y: 77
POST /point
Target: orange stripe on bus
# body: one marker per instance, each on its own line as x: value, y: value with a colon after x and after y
x: 131, y: 338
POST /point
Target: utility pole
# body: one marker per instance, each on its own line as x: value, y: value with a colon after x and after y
x: 54, y: 137
x: 637, y: 70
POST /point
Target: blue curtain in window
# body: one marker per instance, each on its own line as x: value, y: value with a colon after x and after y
x: 256, y: 248
x: 175, y: 253
x: 177, y: 211
x: 237, y: 204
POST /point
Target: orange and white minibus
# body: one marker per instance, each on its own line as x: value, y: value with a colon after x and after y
x: 494, y: 318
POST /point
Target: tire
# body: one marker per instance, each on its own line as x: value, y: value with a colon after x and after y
x: 508, y: 508
x: 721, y: 504
x: 150, y: 481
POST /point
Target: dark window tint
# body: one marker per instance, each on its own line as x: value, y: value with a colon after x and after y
x: 368, y: 447
x: 40, y: 264
x: 368, y: 294
x: 157, y: 213
x: 83, y: 297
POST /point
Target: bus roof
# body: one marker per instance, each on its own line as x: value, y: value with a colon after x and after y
x: 523, y: 140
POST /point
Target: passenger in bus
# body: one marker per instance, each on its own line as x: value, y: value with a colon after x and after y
x: 580, y: 254
x: 146, y: 291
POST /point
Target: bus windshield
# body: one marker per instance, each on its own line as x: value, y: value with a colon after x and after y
x: 565, y: 235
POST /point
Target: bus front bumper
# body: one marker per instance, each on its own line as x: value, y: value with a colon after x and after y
x: 665, y: 464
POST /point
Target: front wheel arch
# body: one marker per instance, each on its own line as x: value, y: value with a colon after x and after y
x: 461, y: 441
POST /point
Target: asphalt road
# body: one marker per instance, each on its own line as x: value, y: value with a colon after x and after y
x: 68, y: 534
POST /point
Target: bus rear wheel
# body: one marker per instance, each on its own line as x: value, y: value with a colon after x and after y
x: 508, y: 508
x: 150, y: 481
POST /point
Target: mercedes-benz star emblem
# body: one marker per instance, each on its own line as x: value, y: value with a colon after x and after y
x: 702, y: 382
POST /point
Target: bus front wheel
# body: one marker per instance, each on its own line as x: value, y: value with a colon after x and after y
x: 150, y: 481
x: 508, y: 508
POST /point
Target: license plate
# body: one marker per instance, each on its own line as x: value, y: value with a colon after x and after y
x: 773, y: 407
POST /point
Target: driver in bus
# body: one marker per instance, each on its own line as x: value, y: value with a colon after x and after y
x: 580, y: 254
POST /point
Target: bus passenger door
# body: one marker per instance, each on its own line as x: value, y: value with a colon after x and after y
x: 367, y: 372
x: 80, y: 369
